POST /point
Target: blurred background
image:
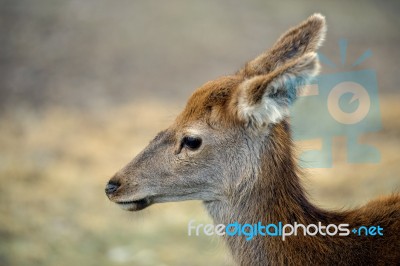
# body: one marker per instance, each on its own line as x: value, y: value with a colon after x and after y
x: 85, y: 85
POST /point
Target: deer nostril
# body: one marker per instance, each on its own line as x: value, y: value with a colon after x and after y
x: 111, y: 187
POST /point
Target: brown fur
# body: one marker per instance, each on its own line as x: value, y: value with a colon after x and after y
x: 245, y: 171
x: 279, y: 196
x: 297, y: 41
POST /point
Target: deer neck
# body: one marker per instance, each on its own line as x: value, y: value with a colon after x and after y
x: 273, y: 193
x: 276, y: 196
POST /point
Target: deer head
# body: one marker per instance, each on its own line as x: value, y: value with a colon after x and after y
x: 216, y: 146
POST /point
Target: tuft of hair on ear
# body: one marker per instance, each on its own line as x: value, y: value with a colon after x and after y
x: 306, y: 37
x: 265, y: 99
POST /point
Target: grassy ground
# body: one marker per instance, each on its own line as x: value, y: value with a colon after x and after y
x: 54, y: 165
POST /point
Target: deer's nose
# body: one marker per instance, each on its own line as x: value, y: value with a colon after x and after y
x: 111, y: 187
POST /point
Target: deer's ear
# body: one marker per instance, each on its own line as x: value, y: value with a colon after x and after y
x: 265, y: 99
x: 304, y: 38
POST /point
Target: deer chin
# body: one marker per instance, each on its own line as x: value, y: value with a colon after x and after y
x: 135, y: 205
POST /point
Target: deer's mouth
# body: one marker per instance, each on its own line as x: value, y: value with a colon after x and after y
x: 134, y: 205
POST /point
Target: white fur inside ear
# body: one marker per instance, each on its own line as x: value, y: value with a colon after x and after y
x: 263, y: 113
x: 273, y: 109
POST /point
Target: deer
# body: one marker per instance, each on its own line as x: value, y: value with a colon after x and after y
x: 231, y: 148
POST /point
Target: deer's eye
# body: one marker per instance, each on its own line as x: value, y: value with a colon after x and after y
x: 192, y: 143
